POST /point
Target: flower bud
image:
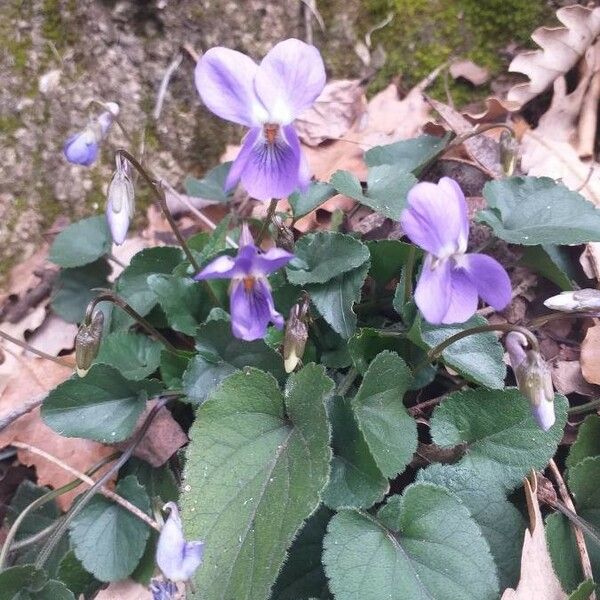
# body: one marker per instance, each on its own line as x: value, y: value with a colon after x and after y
x: 508, y: 152
x: 82, y: 148
x: 177, y: 559
x: 87, y: 342
x: 120, y: 206
x: 533, y: 379
x: 296, y: 335
x: 579, y: 300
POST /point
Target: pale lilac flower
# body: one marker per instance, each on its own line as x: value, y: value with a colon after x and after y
x: 250, y: 298
x: 267, y: 98
x: 533, y: 379
x: 83, y: 147
x: 120, y: 205
x: 451, y: 280
x: 176, y: 558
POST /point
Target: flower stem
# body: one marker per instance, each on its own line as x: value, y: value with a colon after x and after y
x: 26, y: 346
x: 109, y: 296
x: 459, y: 139
x: 347, y: 382
x: 557, y: 316
x: 162, y: 202
x: 583, y: 408
x: 408, y: 273
x: 267, y: 221
x: 86, y: 497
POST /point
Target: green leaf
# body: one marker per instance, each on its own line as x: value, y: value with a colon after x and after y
x: 256, y: 465
x: 426, y: 546
x: 587, y: 442
x: 211, y: 186
x: 220, y: 354
x: 81, y: 243
x: 478, y: 357
x: 367, y: 343
x: 355, y: 480
x: 563, y: 551
x: 500, y: 522
x: 107, y: 539
x: 132, y: 284
x: 390, y: 432
x: 182, y: 299
x: 503, y: 442
x: 387, y: 189
x: 302, y: 576
x: 317, y: 193
x: 173, y: 366
x: 323, y: 256
x: 133, y: 354
x: 73, y: 289
x: 159, y: 482
x: 537, y: 210
x: 75, y: 577
x: 583, y: 591
x: 102, y: 406
x: 407, y: 155
x: 29, y: 583
x: 388, y: 257
x: 334, y: 300
x: 551, y: 262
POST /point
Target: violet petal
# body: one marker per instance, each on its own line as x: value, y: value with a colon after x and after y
x: 490, y: 279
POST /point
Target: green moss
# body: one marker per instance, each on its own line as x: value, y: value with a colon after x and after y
x: 14, y: 43
x: 57, y: 27
x: 426, y: 33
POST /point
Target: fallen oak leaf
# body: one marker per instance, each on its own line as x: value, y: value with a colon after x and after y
x: 538, y: 580
x: 469, y: 71
x: 590, y: 355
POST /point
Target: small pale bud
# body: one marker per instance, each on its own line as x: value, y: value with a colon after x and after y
x: 120, y: 206
x: 87, y: 342
x: 587, y: 300
x: 508, y: 152
x: 533, y: 379
x: 296, y: 335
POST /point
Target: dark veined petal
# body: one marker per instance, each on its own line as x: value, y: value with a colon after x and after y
x: 289, y: 79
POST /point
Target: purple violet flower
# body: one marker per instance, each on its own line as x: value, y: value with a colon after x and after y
x: 177, y: 559
x: 82, y: 148
x: 451, y: 280
x: 250, y: 298
x: 267, y: 98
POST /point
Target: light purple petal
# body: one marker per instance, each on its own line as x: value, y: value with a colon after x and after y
x: 225, y: 81
x: 543, y: 414
x: 272, y: 171
x: 436, y: 217
x: 289, y: 79
x: 490, y: 279
x: 246, y: 238
x: 223, y: 267
x: 105, y: 120
x: 118, y: 223
x: 241, y: 160
x: 252, y: 310
x: 81, y: 148
x: 463, y: 298
x: 270, y: 261
x: 432, y: 294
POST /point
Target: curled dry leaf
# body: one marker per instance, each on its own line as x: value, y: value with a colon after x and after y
x: 53, y: 335
x: 568, y: 378
x: 560, y: 50
x: 128, y: 589
x: 468, y: 70
x: 33, y: 378
x: 538, y: 580
x: 590, y: 355
x: 334, y: 112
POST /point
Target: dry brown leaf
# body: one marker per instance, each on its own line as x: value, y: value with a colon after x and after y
x: 568, y: 378
x: 53, y: 335
x: 128, y: 589
x: 33, y: 378
x: 495, y: 111
x: 334, y: 112
x: 468, y: 70
x: 590, y: 355
x: 538, y: 580
x: 163, y: 439
x: 560, y: 50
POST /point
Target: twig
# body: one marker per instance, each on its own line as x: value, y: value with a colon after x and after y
x: 26, y: 346
x: 104, y: 491
x: 587, y: 179
x: 586, y: 565
x: 164, y: 84
x: 21, y: 410
x: 588, y: 119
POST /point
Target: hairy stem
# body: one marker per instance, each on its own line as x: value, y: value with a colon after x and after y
x: 267, y: 221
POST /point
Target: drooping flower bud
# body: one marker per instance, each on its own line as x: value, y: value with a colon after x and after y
x: 87, y: 342
x: 177, y: 559
x: 533, y: 379
x: 120, y: 206
x: 296, y: 335
x: 82, y: 148
x: 508, y: 152
x: 587, y: 300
